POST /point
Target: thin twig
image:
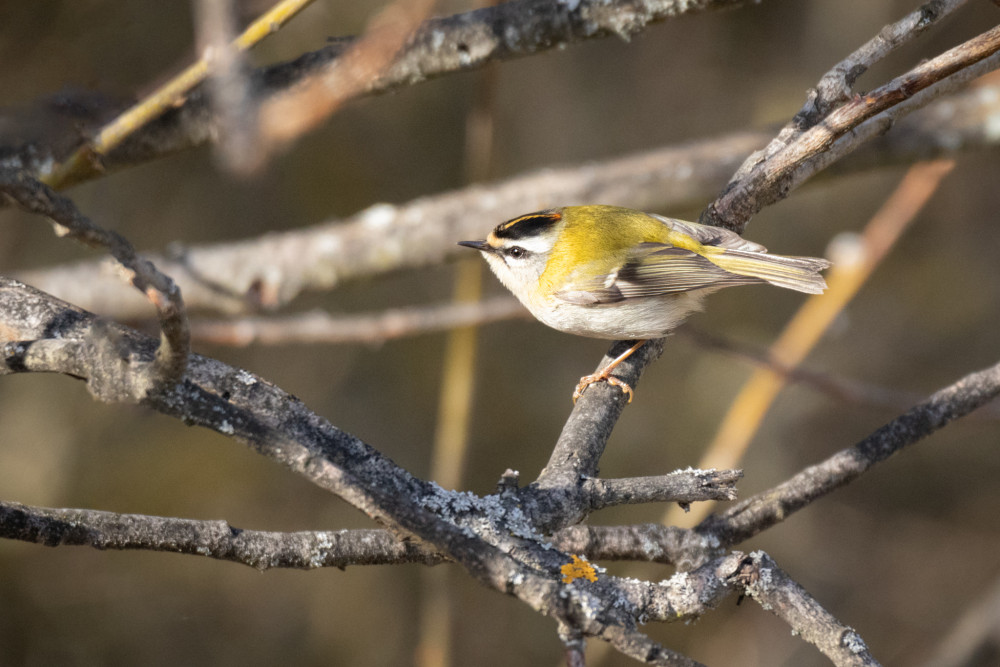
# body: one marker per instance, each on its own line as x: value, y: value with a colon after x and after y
x: 683, y: 486
x: 834, y: 87
x: 175, y: 340
x: 846, y: 390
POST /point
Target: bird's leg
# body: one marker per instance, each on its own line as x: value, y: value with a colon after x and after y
x: 605, y: 374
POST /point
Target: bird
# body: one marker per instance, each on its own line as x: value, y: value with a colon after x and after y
x: 617, y: 273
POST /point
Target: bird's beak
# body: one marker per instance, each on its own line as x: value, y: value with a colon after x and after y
x: 477, y: 245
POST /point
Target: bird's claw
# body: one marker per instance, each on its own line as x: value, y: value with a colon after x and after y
x: 588, y: 380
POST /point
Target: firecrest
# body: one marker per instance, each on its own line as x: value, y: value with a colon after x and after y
x: 615, y: 273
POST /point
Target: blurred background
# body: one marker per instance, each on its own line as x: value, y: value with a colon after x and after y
x: 899, y: 555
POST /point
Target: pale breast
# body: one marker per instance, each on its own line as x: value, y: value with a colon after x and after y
x: 631, y: 319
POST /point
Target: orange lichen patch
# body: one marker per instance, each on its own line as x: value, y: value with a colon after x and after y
x: 578, y: 569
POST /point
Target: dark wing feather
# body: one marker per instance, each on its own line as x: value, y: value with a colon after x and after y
x: 652, y: 269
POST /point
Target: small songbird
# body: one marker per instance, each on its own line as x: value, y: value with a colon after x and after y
x: 615, y: 273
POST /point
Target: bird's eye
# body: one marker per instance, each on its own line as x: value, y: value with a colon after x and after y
x: 516, y: 251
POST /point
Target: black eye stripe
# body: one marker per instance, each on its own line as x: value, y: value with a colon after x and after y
x: 527, y: 225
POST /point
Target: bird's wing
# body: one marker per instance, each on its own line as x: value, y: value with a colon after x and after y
x: 651, y: 269
x: 708, y: 235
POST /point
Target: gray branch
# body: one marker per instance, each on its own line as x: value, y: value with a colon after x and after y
x: 761, y: 579
x: 260, y: 550
x: 764, y: 510
x: 794, y: 160
x: 483, y: 535
x: 683, y: 486
x: 170, y: 359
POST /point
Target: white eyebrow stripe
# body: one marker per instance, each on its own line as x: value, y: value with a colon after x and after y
x: 537, y: 244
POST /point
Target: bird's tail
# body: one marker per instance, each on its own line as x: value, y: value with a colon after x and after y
x: 801, y: 274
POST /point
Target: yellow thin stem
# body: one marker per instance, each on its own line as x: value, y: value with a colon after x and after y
x: 85, y: 160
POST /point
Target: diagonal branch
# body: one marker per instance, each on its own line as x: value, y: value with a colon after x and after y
x: 834, y: 87
x: 766, y: 509
x: 761, y: 579
x: 771, y: 179
x: 288, y: 114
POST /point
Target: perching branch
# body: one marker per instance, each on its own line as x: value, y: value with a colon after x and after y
x: 483, y: 535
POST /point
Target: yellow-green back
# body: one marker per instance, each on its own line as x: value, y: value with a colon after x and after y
x: 603, y: 236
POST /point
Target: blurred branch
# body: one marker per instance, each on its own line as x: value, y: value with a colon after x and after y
x: 228, y: 85
x: 170, y: 361
x: 753, y: 515
x: 839, y: 388
x: 288, y: 114
x: 773, y: 178
x: 440, y: 46
x: 976, y: 633
x: 271, y: 270
x: 762, y: 580
x: 87, y: 161
x: 321, y: 327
